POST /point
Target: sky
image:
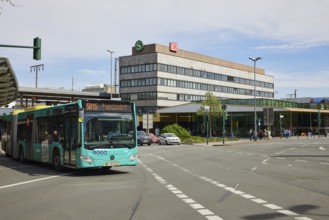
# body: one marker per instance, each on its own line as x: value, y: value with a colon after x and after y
x: 291, y: 36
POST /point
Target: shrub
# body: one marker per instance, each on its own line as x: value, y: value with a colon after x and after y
x: 181, y: 132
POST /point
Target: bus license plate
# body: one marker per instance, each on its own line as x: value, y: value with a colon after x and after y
x: 111, y: 164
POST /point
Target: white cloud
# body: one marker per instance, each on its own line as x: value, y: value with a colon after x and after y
x: 93, y: 72
x: 292, y: 46
x: 302, y: 80
x: 84, y: 30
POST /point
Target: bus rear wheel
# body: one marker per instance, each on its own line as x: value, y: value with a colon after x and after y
x: 57, y: 161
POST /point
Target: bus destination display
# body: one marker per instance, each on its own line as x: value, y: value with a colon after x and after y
x: 107, y: 106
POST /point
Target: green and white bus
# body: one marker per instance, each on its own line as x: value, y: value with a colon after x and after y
x: 74, y: 135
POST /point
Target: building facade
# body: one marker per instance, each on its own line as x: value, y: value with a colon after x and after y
x: 100, y: 88
x: 157, y: 76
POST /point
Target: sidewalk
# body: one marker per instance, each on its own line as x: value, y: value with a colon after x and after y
x: 241, y: 141
x: 247, y: 140
x: 227, y: 143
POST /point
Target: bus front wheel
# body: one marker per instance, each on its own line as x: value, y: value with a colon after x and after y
x: 57, y: 161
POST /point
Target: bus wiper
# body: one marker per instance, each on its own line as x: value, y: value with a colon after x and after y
x: 98, y: 146
x: 118, y: 144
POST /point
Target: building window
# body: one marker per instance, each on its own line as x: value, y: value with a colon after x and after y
x: 188, y: 84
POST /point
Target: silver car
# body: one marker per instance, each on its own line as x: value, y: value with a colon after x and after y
x: 169, y: 138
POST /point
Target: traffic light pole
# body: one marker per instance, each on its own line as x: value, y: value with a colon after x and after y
x: 36, y: 48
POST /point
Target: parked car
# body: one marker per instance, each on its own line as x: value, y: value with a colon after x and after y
x: 154, y: 138
x: 143, y: 138
x: 169, y: 138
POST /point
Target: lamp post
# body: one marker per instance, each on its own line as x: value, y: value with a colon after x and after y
x: 281, y: 116
x: 206, y: 108
x: 111, y: 51
x: 321, y: 107
x: 255, y: 115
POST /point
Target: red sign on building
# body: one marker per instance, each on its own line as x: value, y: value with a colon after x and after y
x: 173, y: 47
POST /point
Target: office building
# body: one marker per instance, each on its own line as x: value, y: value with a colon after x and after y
x: 157, y: 76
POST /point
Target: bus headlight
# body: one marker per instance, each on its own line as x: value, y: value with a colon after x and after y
x: 86, y: 158
x: 133, y: 157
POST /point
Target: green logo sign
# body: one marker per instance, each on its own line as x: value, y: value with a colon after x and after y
x: 139, y: 46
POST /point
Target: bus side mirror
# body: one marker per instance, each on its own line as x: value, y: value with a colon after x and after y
x: 81, y: 115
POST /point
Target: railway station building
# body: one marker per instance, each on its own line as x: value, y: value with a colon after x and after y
x: 157, y: 76
x: 170, y: 83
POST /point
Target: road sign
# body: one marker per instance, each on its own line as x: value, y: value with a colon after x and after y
x: 147, y: 121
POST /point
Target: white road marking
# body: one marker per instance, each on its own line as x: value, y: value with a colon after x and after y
x: 213, y: 218
x: 36, y: 180
x: 287, y: 212
x: 303, y: 161
x: 272, y: 206
x: 197, y: 206
x: 260, y: 201
x: 192, y: 203
x: 265, y: 161
x: 182, y: 196
x: 205, y: 212
x: 188, y: 201
x: 30, y: 181
x: 281, y: 152
x: 247, y: 196
x: 302, y: 218
x: 240, y: 193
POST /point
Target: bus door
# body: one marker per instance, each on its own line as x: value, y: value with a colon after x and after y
x: 29, y: 137
x: 70, y: 140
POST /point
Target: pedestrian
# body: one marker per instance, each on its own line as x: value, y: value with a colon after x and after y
x: 250, y: 134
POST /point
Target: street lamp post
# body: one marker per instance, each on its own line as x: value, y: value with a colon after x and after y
x: 281, y: 116
x: 111, y: 51
x: 206, y: 108
x: 255, y: 115
x: 321, y: 107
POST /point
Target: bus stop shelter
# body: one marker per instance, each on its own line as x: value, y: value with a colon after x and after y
x: 8, y: 82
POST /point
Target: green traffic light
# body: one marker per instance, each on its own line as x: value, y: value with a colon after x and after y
x: 37, y: 48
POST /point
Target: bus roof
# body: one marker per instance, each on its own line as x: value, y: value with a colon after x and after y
x: 37, y: 107
x: 15, y: 112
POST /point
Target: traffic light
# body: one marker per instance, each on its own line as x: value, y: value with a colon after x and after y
x: 225, y: 116
x: 223, y: 107
x: 37, y: 48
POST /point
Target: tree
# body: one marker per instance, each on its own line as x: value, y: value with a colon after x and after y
x: 5, y: 2
x: 181, y: 132
x: 215, y: 110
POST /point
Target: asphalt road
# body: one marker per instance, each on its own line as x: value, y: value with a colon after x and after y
x: 277, y: 179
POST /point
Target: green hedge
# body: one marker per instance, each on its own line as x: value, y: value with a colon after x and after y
x: 187, y: 138
x: 181, y: 132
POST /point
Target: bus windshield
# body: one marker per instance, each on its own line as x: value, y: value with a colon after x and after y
x: 109, y: 130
